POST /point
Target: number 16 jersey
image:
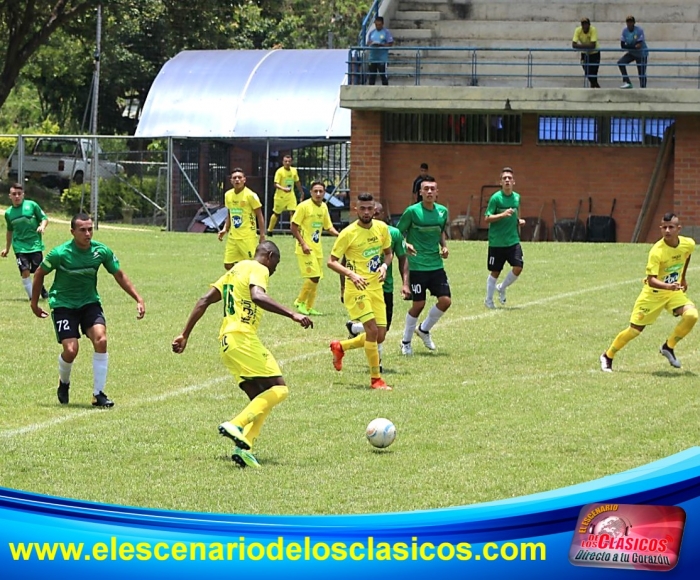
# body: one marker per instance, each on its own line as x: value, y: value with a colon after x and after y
x: 241, y: 314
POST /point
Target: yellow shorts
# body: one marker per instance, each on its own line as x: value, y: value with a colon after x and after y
x: 284, y: 202
x: 651, y: 302
x: 310, y: 265
x: 237, y: 250
x: 366, y: 304
x: 246, y: 357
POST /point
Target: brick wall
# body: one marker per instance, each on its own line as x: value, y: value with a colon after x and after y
x: 566, y: 174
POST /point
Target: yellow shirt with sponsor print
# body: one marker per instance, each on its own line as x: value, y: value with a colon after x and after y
x: 286, y: 178
x: 241, y: 314
x: 580, y: 37
x: 363, y: 249
x: 241, y: 207
x: 667, y: 263
x: 312, y: 219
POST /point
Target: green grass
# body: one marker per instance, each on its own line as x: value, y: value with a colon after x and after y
x: 512, y: 403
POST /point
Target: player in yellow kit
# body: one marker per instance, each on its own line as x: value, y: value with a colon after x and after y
x: 664, y: 289
x: 243, y: 290
x: 286, y: 178
x: 310, y: 219
x: 366, y: 245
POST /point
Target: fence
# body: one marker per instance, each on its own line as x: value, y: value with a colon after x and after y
x: 521, y: 67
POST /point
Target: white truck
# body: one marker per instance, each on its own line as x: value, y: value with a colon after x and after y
x: 58, y: 161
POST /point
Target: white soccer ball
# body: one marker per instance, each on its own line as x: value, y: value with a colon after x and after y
x: 381, y: 433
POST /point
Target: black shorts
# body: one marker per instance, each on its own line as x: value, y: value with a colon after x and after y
x: 433, y: 280
x: 389, y: 301
x: 499, y: 256
x: 66, y: 321
x: 29, y: 261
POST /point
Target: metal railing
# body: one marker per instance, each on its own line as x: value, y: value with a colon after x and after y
x: 368, y: 21
x: 527, y: 67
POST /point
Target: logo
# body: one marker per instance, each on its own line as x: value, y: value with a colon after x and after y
x: 632, y: 537
x: 237, y: 221
x: 371, y: 252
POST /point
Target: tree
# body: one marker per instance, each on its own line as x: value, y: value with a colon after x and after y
x: 26, y: 25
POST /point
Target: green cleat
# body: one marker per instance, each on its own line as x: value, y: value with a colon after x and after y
x: 244, y: 458
x: 314, y: 312
x: 301, y: 308
x: 235, y: 433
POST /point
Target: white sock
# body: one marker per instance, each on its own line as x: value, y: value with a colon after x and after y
x: 357, y: 328
x: 432, y: 318
x: 510, y: 278
x: 99, y: 371
x: 64, y: 369
x: 27, y: 283
x: 490, y: 287
x: 379, y: 348
x: 410, y: 328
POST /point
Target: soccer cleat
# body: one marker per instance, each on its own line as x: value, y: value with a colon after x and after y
x: 426, y: 338
x: 338, y: 354
x: 379, y: 385
x: 667, y: 351
x: 489, y: 304
x: 244, y: 458
x: 235, y: 433
x: 313, y: 312
x: 501, y: 293
x: 626, y: 86
x: 62, y: 392
x: 44, y: 293
x: 406, y: 348
x: 348, y: 325
x: 606, y: 363
x: 301, y: 308
x: 100, y: 400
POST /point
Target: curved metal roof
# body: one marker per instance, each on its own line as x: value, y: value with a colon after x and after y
x: 248, y: 93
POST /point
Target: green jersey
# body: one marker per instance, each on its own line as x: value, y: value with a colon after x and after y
x: 398, y: 247
x: 504, y: 232
x: 423, y: 229
x: 75, y: 282
x: 23, y: 221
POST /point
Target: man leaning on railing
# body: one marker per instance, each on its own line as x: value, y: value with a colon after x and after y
x: 586, y: 40
x: 632, y: 40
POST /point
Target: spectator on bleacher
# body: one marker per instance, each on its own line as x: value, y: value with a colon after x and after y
x: 586, y: 40
x: 378, y: 39
x: 632, y: 40
x: 422, y: 176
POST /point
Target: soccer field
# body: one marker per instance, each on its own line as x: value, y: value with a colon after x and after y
x: 513, y: 402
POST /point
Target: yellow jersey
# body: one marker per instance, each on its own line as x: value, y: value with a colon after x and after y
x: 667, y: 263
x: 312, y: 219
x: 241, y: 207
x: 286, y: 178
x: 241, y: 314
x: 363, y: 249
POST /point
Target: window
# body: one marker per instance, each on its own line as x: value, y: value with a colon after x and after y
x: 568, y: 130
x: 602, y: 130
x: 452, y: 128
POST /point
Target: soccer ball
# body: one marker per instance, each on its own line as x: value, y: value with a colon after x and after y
x: 381, y: 433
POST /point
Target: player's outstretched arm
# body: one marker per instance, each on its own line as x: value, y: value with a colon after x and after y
x: 126, y: 285
x: 260, y: 297
x: 37, y: 285
x: 212, y: 297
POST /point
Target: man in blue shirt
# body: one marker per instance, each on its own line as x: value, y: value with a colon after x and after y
x: 632, y: 40
x: 377, y: 40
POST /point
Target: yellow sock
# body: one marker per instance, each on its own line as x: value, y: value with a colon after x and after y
x: 305, y: 290
x: 357, y: 342
x: 621, y: 340
x: 688, y: 320
x: 252, y: 430
x: 372, y: 354
x: 263, y: 403
x: 273, y: 222
x: 311, y: 298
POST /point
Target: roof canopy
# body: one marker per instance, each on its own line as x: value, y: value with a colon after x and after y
x: 248, y: 93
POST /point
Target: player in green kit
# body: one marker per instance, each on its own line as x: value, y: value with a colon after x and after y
x: 504, y: 239
x: 424, y: 226
x: 75, y: 304
x: 26, y: 222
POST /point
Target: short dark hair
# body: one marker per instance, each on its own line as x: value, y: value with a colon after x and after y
x: 507, y: 170
x: 287, y: 155
x: 237, y: 170
x: 318, y: 183
x: 630, y: 18
x: 17, y: 186
x: 424, y: 166
x: 427, y: 179
x: 379, y: 19
x: 81, y: 216
x: 668, y: 216
x: 267, y: 247
x: 365, y: 197
x: 585, y: 21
